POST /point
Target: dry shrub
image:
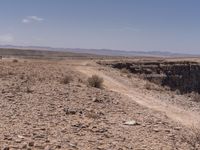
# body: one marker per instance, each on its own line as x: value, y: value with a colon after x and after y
x: 80, y: 80
x: 177, y: 92
x: 129, y: 75
x: 29, y: 90
x: 95, y: 81
x: 67, y: 79
x: 195, y: 96
x: 152, y: 86
x: 124, y: 70
x: 167, y: 88
x: 149, y: 86
x: 192, y: 138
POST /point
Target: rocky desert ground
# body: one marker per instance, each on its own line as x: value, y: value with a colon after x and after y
x: 40, y: 111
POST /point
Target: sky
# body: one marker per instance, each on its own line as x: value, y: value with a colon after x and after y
x: 136, y: 25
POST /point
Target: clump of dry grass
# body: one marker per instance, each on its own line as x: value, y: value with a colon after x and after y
x: 124, y: 70
x: 29, y: 90
x: 95, y: 81
x: 67, y: 79
x: 152, y: 86
x: 129, y: 75
x: 177, y: 92
x: 149, y: 86
x: 195, y: 96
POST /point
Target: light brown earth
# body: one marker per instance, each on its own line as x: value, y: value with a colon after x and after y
x: 37, y: 111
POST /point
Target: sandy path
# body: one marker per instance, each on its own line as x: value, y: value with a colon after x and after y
x: 187, y: 118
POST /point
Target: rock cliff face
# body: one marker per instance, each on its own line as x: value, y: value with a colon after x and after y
x: 184, y: 76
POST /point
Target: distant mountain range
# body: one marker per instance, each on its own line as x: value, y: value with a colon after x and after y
x: 107, y: 52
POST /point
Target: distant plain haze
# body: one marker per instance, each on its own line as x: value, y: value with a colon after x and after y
x: 137, y: 25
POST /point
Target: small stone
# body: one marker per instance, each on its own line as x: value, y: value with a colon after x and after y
x: 171, y: 135
x: 21, y: 137
x: 131, y: 123
x: 103, y: 130
x: 70, y: 111
x: 43, y: 129
x: 47, y: 148
x: 18, y: 140
x: 143, y: 125
x: 39, y: 146
x: 24, y: 145
x: 100, y: 148
x: 58, y: 146
x: 74, y: 145
x: 39, y: 136
x: 6, y: 148
x: 167, y: 130
x: 10, y: 95
x: 97, y: 100
x: 156, y: 130
x: 177, y: 128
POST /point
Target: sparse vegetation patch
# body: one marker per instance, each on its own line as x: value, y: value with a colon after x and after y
x: 66, y: 79
x: 195, y: 97
x: 124, y: 70
x: 95, y: 81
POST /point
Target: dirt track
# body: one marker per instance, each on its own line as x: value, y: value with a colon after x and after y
x: 114, y: 83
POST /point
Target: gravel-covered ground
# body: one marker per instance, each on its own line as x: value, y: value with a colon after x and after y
x: 38, y: 111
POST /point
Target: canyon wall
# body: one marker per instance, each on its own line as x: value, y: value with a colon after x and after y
x: 183, y: 76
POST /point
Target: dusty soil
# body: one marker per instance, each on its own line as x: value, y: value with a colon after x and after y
x: 38, y: 111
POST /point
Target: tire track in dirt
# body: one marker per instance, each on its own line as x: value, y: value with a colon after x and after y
x: 185, y: 117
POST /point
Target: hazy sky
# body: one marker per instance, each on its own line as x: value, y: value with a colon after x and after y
x: 139, y: 25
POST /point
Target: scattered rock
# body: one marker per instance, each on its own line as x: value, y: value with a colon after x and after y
x: 6, y: 148
x: 18, y: 140
x: 39, y: 146
x: 167, y: 130
x: 74, y: 145
x: 177, y: 128
x: 131, y: 123
x: 6, y: 137
x: 24, y: 145
x: 31, y: 143
x: 97, y: 100
x: 69, y: 111
x: 156, y: 130
x: 21, y: 137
